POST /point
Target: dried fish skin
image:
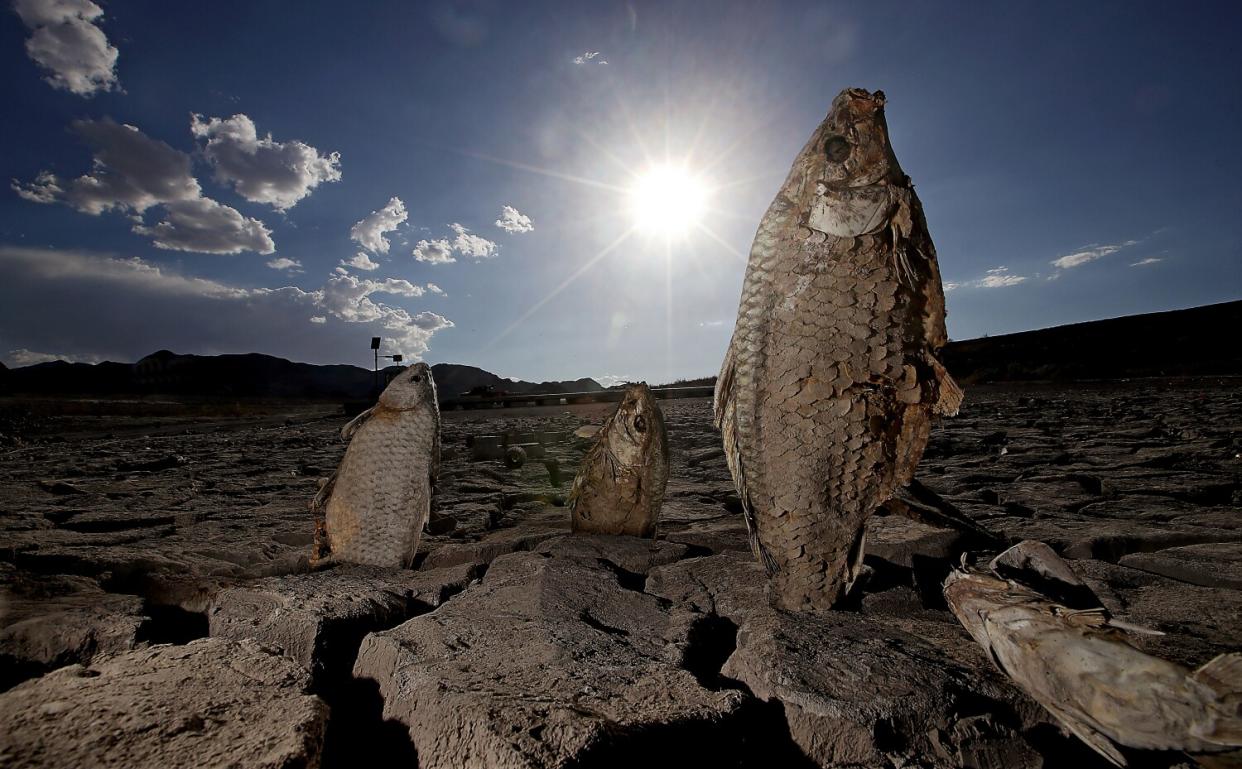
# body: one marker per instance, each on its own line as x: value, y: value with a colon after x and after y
x: 373, y: 509
x: 827, y: 391
x: 1078, y: 666
x: 620, y: 485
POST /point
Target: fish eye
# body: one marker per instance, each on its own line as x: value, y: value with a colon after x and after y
x: 837, y: 149
x: 417, y: 378
x: 640, y: 424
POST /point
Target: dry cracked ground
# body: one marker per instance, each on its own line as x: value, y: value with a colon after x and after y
x: 156, y: 608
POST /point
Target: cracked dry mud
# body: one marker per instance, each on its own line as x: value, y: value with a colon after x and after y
x: 164, y: 563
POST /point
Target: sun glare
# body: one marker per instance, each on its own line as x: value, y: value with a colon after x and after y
x: 668, y: 200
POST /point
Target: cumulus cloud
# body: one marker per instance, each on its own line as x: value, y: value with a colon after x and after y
x: 434, y: 252
x: 261, y: 169
x: 433, y: 288
x: 24, y: 357
x: 1090, y: 254
x: 469, y: 244
x: 133, y: 172
x: 589, y: 57
x: 285, y: 263
x: 1147, y: 261
x: 513, y: 221
x: 207, y: 227
x: 361, y: 261
x: 64, y: 41
x: 369, y: 233
x: 57, y: 294
x: 997, y: 277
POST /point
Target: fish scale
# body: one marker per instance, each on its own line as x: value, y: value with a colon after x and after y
x: 380, y: 497
x: 827, y: 389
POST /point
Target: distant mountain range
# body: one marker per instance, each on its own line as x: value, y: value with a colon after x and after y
x: 250, y: 375
x: 1198, y: 341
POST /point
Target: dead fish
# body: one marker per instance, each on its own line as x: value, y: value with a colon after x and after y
x: 1077, y: 664
x: 829, y: 384
x: 620, y: 485
x: 375, y: 506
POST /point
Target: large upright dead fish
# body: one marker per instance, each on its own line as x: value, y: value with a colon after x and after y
x: 1077, y: 664
x: 620, y: 485
x: 827, y: 390
x: 375, y: 506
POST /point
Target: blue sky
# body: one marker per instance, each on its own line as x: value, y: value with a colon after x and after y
x: 1075, y: 160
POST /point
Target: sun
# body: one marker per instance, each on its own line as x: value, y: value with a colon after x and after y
x: 668, y: 200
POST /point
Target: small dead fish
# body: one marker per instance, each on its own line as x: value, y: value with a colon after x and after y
x: 1077, y: 664
x: 829, y: 384
x: 620, y: 485
x: 373, y: 509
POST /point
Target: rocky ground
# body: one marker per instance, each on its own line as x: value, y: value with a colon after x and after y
x: 156, y: 608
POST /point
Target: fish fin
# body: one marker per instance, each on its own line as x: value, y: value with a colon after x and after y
x: 320, y: 549
x: 1095, y: 740
x: 1223, y: 674
x: 854, y: 562
x: 353, y: 425
x: 951, y: 394
x: 724, y: 388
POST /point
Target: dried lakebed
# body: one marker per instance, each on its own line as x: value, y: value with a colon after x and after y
x: 155, y: 595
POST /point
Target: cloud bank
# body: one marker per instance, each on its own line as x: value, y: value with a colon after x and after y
x: 133, y: 307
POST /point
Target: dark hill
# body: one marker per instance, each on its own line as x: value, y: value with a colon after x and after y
x: 1194, y: 342
x: 250, y: 375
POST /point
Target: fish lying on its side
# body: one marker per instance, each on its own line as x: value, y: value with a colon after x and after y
x: 373, y: 509
x: 620, y: 485
x: 829, y: 384
x: 1077, y: 664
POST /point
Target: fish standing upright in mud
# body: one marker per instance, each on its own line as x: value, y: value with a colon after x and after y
x: 620, y: 485
x: 827, y: 390
x: 373, y: 509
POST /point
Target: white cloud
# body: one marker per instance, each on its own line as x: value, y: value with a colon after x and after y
x: 361, y: 262
x: 434, y: 252
x: 469, y: 244
x: 132, y: 173
x: 369, y: 233
x: 1089, y: 254
x: 24, y: 357
x: 433, y: 288
x: 711, y: 323
x: 997, y: 277
x: 208, y: 227
x: 589, y: 57
x: 1147, y: 261
x: 65, y: 42
x: 285, y: 263
x: 148, y: 307
x: 513, y: 221
x: 263, y: 170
